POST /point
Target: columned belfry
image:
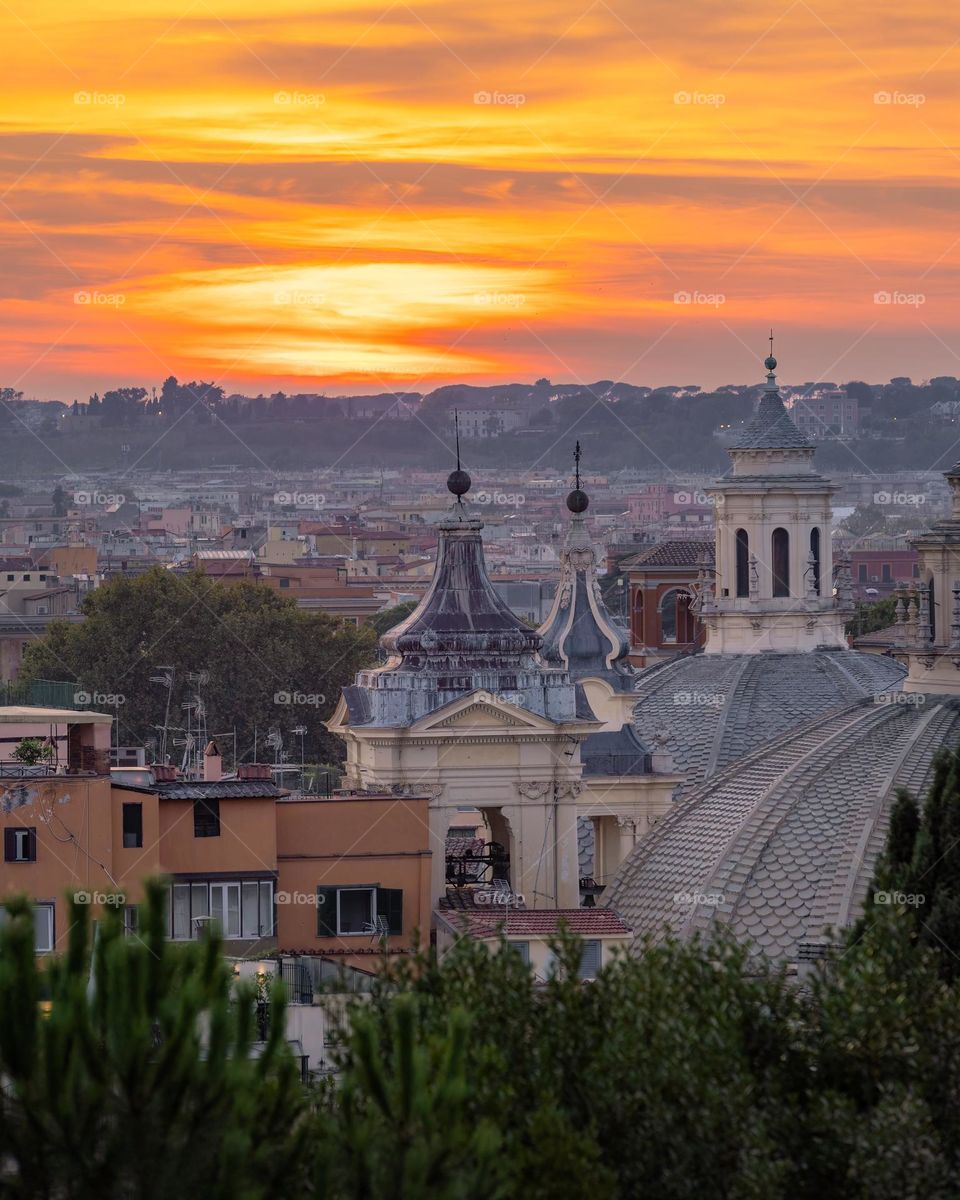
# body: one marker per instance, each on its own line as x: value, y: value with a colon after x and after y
x: 928, y: 610
x: 465, y: 711
x: 774, y: 583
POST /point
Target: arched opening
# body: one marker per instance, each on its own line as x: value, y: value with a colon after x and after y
x: 743, y: 562
x: 932, y: 609
x: 815, y: 555
x: 636, y: 624
x: 781, y: 562
x: 677, y: 622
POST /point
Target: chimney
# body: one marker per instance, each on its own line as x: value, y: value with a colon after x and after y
x: 164, y: 772
x: 259, y: 771
x: 212, y: 762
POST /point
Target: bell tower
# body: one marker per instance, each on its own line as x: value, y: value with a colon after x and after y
x: 928, y: 611
x: 774, y: 584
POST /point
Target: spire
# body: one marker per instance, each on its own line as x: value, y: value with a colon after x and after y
x: 577, y: 500
x: 579, y: 632
x: 461, y: 621
x: 772, y: 427
x: 458, y: 481
x: 771, y: 364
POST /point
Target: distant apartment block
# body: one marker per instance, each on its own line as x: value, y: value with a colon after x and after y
x: 824, y: 414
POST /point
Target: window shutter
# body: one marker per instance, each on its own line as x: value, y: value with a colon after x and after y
x: 326, y: 912
x: 390, y: 906
x: 9, y: 846
x: 590, y: 960
x: 32, y: 844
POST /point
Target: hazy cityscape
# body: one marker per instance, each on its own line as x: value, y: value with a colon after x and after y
x: 479, y: 602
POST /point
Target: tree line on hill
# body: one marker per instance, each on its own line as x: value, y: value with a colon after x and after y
x: 133, y: 1067
x: 620, y: 424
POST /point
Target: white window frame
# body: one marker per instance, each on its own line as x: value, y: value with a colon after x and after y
x: 47, y: 909
x: 221, y: 887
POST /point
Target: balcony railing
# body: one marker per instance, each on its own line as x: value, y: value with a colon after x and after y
x: 11, y: 769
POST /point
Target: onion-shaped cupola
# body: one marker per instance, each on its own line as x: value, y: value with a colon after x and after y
x: 580, y: 634
x: 461, y: 637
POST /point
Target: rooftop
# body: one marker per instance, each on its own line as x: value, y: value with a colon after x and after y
x: 494, y: 920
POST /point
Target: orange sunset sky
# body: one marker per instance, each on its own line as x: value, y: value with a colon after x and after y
x: 351, y: 196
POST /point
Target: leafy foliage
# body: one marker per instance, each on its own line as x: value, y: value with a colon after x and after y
x: 127, y: 1070
x: 920, y: 868
x: 269, y: 663
x: 689, y: 1071
x: 382, y: 621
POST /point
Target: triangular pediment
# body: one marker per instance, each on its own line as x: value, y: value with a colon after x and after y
x: 481, y: 711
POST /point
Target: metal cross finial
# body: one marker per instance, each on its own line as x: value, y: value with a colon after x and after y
x: 456, y: 427
x: 576, y: 459
x: 771, y: 343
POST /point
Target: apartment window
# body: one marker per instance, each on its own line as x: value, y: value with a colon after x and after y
x: 589, y: 959
x: 43, y: 928
x: 239, y: 908
x: 284, y: 581
x: 862, y: 572
x: 20, y: 844
x: 206, y: 817
x: 131, y: 920
x: 521, y: 948
x: 886, y: 574
x: 357, y: 910
x: 132, y: 826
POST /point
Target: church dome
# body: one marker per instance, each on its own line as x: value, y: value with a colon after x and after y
x: 781, y: 845
x: 715, y: 708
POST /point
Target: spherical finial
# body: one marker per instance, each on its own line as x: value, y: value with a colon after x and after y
x: 458, y: 482
x: 578, y: 500
x: 770, y: 363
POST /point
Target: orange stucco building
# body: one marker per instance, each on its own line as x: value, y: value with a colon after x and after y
x: 345, y: 876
